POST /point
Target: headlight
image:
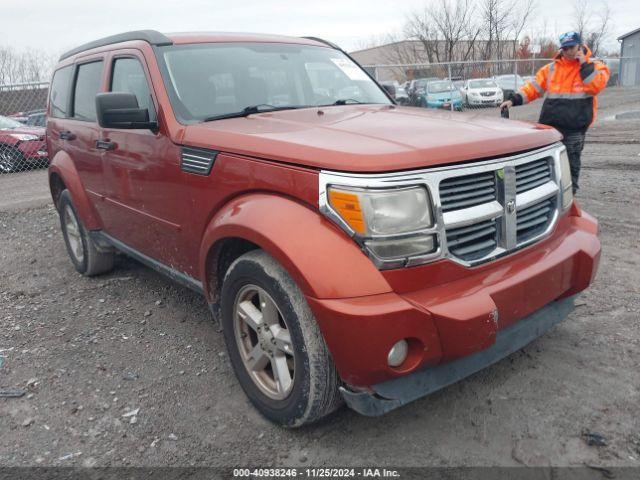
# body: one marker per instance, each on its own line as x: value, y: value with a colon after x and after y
x: 24, y: 137
x: 389, y: 223
x: 565, y: 180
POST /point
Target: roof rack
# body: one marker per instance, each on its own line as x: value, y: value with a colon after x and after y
x: 150, y: 36
x: 326, y: 42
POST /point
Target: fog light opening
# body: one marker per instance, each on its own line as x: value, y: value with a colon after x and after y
x: 398, y: 353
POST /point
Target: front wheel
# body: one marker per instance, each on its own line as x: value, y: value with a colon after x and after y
x: 274, y: 343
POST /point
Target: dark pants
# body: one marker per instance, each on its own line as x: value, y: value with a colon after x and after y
x: 574, y: 141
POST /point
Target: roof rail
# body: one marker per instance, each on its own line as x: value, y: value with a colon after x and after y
x: 326, y: 42
x: 150, y: 36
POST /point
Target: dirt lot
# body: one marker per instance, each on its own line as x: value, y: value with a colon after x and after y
x: 89, y: 352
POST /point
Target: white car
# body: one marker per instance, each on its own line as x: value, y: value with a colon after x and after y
x: 481, y: 91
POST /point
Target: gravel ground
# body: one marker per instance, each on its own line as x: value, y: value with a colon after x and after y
x: 128, y: 368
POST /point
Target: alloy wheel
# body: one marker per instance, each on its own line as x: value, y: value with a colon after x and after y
x: 74, y: 236
x: 264, y: 342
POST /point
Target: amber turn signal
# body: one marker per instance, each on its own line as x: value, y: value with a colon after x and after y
x: 347, y: 205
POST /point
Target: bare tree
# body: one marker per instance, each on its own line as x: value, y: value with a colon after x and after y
x: 503, y: 21
x: 592, y: 25
x: 447, y: 29
x: 24, y: 67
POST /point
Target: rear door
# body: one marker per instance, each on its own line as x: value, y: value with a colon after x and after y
x: 145, y: 203
x: 82, y: 131
x: 72, y: 122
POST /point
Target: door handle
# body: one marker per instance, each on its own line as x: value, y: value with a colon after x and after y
x: 67, y: 135
x: 105, y: 145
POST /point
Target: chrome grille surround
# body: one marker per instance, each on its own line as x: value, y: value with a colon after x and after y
x: 503, y: 210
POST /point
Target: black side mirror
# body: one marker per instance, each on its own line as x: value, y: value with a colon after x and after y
x: 121, y: 110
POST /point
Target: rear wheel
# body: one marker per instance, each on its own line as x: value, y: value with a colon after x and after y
x: 274, y: 343
x: 11, y: 159
x: 85, y: 255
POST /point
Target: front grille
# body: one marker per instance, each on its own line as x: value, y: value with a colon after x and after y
x: 535, y: 219
x: 532, y: 175
x: 474, y: 241
x: 473, y: 208
x: 487, y: 94
x: 467, y: 191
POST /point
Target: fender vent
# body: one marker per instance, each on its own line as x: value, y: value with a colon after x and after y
x: 197, y: 160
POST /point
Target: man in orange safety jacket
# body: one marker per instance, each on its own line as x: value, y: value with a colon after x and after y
x: 569, y: 85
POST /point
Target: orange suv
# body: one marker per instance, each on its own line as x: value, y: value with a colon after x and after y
x: 352, y: 250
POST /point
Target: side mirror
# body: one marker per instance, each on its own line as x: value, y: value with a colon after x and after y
x: 120, y: 110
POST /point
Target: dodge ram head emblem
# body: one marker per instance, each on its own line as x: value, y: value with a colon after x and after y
x: 511, y: 206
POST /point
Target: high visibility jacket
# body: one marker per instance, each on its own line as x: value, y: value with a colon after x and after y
x: 569, y: 91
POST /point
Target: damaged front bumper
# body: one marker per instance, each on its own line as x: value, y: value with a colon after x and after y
x: 389, y: 395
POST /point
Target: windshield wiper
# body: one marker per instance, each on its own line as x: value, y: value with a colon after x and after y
x: 251, y: 109
x: 344, y: 101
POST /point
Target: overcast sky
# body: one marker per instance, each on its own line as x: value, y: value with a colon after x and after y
x: 57, y: 25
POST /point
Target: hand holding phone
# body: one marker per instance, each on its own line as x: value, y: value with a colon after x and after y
x: 580, y: 56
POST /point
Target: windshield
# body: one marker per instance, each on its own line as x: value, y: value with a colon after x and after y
x: 482, y: 84
x: 440, y: 87
x: 221, y: 79
x: 7, y: 123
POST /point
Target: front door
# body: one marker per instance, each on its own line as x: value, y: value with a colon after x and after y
x: 143, y: 206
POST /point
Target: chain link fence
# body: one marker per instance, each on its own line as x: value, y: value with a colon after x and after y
x: 475, y: 85
x: 22, y: 127
x: 480, y: 86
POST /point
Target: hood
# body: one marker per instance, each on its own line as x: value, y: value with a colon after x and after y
x: 369, y: 138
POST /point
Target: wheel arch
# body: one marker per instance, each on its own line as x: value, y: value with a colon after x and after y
x: 323, y: 261
x: 63, y: 173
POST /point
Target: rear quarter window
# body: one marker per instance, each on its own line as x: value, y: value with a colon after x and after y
x: 59, y: 94
x: 87, y: 86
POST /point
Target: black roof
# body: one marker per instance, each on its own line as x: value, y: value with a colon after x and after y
x: 150, y: 36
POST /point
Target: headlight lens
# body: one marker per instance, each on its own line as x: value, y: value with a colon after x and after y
x: 24, y: 137
x: 565, y: 180
x: 390, y: 223
x: 382, y: 212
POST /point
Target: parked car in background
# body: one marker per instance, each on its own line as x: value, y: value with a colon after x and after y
x: 20, y: 117
x: 442, y: 94
x: 509, y: 84
x: 21, y: 146
x: 481, y: 92
x: 37, y: 119
x: 390, y: 87
x: 401, y: 96
x: 458, y: 84
x: 417, y: 90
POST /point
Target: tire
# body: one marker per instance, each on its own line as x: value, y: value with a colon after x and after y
x: 86, y: 257
x: 257, y: 281
x: 11, y: 159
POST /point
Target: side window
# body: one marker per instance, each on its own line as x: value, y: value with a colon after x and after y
x: 86, y: 88
x: 128, y: 76
x: 59, y: 94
